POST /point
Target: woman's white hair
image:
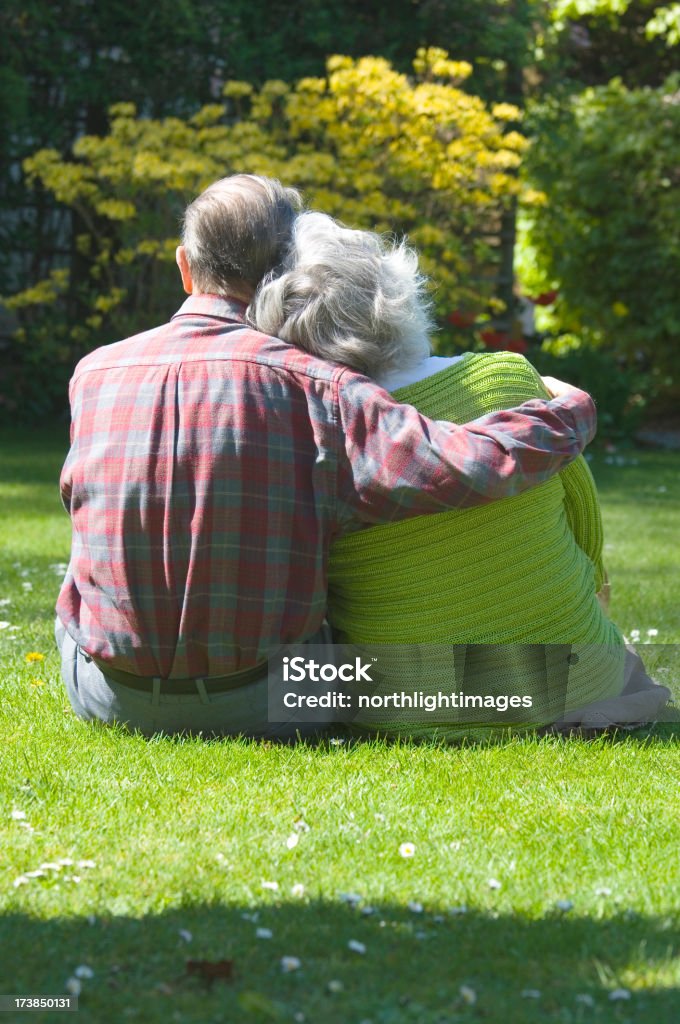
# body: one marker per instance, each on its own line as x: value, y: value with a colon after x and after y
x: 348, y: 296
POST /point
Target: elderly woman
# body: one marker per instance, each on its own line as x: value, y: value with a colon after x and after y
x: 500, y: 599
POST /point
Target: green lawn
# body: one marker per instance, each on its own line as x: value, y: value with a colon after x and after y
x: 544, y: 876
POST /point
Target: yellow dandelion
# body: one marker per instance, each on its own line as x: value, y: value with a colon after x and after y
x: 35, y: 656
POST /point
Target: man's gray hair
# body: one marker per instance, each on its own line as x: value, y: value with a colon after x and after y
x: 237, y: 231
x: 348, y: 296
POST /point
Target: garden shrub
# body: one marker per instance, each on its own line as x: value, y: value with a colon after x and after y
x: 366, y: 143
x: 622, y: 392
x: 604, y: 227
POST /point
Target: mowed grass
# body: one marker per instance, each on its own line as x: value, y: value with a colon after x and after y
x: 544, y: 875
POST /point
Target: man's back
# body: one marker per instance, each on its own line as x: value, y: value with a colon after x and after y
x: 201, y: 484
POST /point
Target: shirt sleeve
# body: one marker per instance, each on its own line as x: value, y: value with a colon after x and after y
x: 396, y: 463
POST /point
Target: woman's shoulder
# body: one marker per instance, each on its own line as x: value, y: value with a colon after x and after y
x: 493, y: 361
x: 477, y: 383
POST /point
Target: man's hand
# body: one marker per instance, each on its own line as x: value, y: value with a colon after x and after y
x: 556, y: 388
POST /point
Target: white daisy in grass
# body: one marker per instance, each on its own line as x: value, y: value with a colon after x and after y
x: 87, y: 864
x: 264, y: 933
x: 407, y: 850
x: 468, y: 995
x: 652, y: 632
x: 73, y: 986
x: 290, y: 963
x: 4, y: 601
x: 493, y: 883
x: 353, y: 898
x: 20, y: 880
x: 18, y: 815
x: 36, y: 874
x: 334, y: 986
x: 414, y: 907
x: 603, y: 890
x: 301, y: 825
x: 50, y: 865
x: 5, y: 625
x: 619, y: 995
x: 356, y: 946
x: 272, y: 886
x: 84, y: 971
x: 185, y: 935
x: 292, y: 841
x: 564, y: 905
x: 585, y: 999
x: 297, y: 890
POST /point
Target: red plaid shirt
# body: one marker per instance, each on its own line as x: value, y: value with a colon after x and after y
x: 212, y: 466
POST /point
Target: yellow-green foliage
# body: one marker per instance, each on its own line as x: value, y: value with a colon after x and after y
x: 369, y: 145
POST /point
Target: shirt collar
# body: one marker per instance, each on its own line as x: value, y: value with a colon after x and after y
x: 221, y: 307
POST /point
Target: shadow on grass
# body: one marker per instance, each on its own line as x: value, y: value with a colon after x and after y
x: 412, y: 969
x: 30, y: 466
x: 665, y: 732
x: 32, y: 455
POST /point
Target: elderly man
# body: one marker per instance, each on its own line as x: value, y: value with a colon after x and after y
x: 210, y: 468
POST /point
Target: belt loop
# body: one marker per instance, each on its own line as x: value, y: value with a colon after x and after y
x: 156, y: 696
x: 203, y: 693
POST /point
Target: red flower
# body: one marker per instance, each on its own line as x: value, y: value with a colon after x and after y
x: 544, y: 299
x: 517, y: 345
x: 495, y: 340
x: 459, y: 318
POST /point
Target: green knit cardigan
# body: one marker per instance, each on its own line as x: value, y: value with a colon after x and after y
x: 521, y: 571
